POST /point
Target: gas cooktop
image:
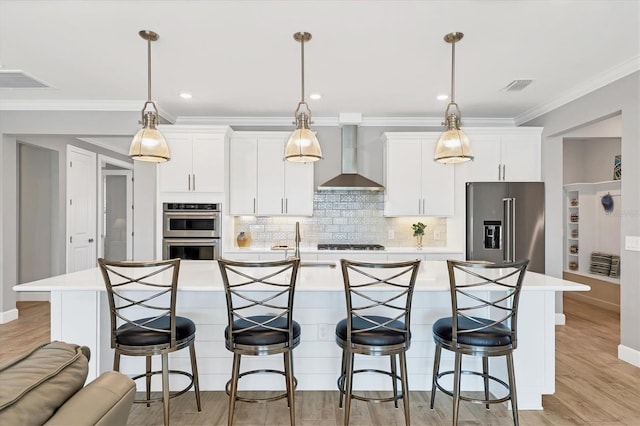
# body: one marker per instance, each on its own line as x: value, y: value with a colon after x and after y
x: 350, y: 247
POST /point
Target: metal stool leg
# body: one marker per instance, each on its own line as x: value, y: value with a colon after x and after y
x: 456, y: 387
x: 194, y: 371
x: 485, y: 375
x: 148, y: 378
x: 348, y: 386
x: 394, y: 382
x: 288, y: 365
x: 235, y: 372
x: 165, y: 387
x: 343, y: 374
x: 436, y: 371
x: 512, y: 388
x: 405, y: 387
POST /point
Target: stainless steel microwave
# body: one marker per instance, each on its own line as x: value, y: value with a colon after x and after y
x: 183, y: 220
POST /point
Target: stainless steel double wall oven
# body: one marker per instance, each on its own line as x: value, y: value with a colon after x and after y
x: 191, y: 231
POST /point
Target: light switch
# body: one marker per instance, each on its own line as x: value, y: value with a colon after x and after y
x: 632, y: 243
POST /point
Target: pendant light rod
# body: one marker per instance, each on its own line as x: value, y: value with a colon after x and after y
x: 149, y: 36
x: 302, y: 37
x: 453, y: 38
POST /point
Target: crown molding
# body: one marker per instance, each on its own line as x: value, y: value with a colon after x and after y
x: 78, y: 105
x: 615, y: 73
x: 335, y: 122
x: 105, y: 145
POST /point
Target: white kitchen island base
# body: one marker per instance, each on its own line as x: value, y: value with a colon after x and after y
x: 79, y: 314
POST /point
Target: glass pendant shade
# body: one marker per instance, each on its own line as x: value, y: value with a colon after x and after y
x: 303, y: 145
x: 149, y: 144
x: 453, y: 147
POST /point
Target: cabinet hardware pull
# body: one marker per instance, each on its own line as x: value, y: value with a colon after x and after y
x: 194, y: 182
x: 503, y: 174
x: 423, y: 210
x: 254, y: 204
x: 281, y: 205
x: 189, y: 182
x: 286, y: 205
x: 499, y: 172
x: 419, y: 211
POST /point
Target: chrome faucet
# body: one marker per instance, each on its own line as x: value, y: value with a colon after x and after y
x: 297, y: 252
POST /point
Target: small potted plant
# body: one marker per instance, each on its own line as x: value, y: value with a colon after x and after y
x: 418, y: 232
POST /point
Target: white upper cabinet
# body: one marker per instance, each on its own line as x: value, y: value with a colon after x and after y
x: 505, y: 154
x: 262, y: 183
x: 415, y: 185
x: 197, y: 159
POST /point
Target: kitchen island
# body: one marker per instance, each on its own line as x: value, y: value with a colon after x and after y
x: 79, y: 314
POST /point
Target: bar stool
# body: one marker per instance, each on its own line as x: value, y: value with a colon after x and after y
x: 485, y: 326
x: 259, y: 309
x: 149, y: 288
x: 378, y: 323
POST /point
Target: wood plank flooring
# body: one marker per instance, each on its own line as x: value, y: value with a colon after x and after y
x: 593, y: 387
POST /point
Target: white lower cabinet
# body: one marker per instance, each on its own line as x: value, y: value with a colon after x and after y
x: 415, y: 185
x: 262, y: 183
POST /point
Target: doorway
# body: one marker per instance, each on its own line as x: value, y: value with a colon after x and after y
x: 115, y: 204
x: 39, y: 254
x: 593, y: 211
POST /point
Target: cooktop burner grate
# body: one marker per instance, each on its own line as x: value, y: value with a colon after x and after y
x: 350, y: 247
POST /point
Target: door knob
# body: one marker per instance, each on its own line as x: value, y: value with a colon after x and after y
x: 90, y: 240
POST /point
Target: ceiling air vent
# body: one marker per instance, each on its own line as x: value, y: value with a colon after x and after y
x: 517, y: 85
x: 16, y: 79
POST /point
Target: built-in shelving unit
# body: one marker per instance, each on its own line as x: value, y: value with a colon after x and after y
x: 584, y: 232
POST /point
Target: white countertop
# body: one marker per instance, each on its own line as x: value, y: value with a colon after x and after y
x: 205, y: 276
x: 314, y: 250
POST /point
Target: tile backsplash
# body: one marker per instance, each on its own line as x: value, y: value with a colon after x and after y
x: 342, y: 217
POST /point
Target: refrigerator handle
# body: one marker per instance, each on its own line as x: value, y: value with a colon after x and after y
x: 509, y: 210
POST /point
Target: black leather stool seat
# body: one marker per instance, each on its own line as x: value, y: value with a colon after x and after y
x: 376, y: 337
x: 260, y: 335
x: 497, y: 335
x: 139, y: 336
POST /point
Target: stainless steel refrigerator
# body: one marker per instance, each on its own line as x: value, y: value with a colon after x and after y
x: 505, y: 222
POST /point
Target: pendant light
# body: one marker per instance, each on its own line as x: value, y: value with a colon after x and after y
x: 453, y: 145
x: 149, y: 144
x: 302, y: 146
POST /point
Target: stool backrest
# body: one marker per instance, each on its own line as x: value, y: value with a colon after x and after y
x: 141, y: 289
x: 259, y: 289
x: 486, y: 290
x: 379, y: 289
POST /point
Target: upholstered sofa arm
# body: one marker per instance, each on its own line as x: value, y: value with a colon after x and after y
x: 105, y: 401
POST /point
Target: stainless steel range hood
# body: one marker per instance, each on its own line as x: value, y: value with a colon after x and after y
x: 349, y: 179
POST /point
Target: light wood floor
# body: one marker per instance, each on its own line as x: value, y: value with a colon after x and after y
x: 593, y: 387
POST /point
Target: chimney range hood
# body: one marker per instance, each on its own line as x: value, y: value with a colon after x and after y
x: 349, y: 179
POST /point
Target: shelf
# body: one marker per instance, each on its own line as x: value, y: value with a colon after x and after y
x: 573, y: 254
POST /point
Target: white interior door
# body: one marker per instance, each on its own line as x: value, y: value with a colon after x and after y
x: 81, y: 209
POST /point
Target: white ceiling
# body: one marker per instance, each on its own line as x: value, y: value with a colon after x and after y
x: 379, y: 58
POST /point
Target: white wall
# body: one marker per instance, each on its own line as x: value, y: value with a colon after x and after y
x: 618, y: 97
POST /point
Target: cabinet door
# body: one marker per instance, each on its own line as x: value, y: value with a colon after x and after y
x: 521, y: 158
x: 270, y: 176
x: 403, y: 178
x: 243, y: 178
x: 298, y: 187
x: 175, y: 174
x: 208, y: 163
x: 487, y: 162
x: 438, y: 183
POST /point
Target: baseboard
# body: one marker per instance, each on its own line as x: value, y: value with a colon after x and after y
x: 561, y: 319
x: 8, y: 316
x: 629, y: 355
x: 593, y: 301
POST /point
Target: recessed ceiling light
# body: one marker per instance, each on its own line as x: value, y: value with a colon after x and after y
x: 186, y: 95
x: 442, y: 97
x: 315, y: 96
